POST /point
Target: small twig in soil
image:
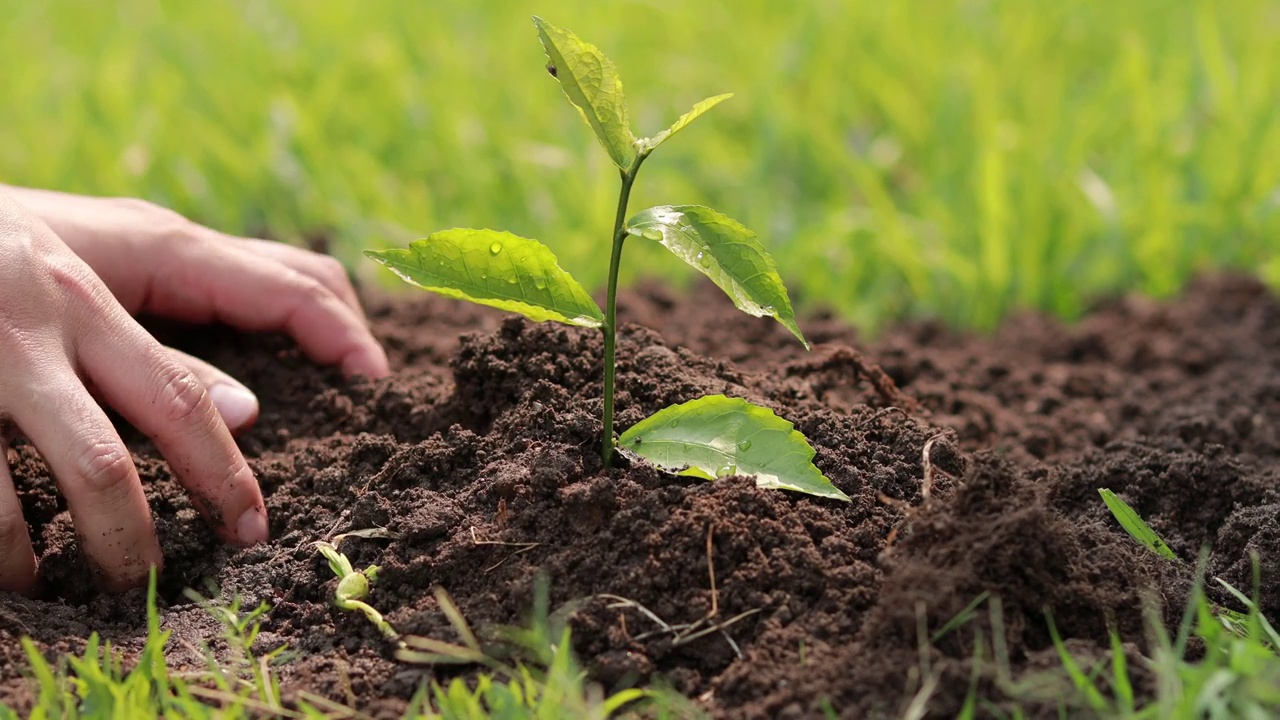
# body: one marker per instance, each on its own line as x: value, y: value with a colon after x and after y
x: 621, y: 602
x: 910, y: 511
x: 691, y: 634
x: 926, y: 488
x: 373, y: 533
x: 711, y: 571
x: 501, y: 519
x: 882, y: 413
x: 685, y: 633
x: 523, y: 548
x: 844, y: 358
x: 475, y: 540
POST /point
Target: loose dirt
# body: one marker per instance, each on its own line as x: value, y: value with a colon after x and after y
x: 480, y: 456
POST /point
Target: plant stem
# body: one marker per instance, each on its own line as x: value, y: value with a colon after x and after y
x: 611, y: 306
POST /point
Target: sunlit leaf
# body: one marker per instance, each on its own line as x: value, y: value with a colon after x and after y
x: 716, y: 436
x: 591, y: 83
x: 1134, y: 525
x: 722, y: 249
x: 683, y: 121
x: 497, y: 269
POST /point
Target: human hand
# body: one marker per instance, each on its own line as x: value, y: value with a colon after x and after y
x: 62, y: 332
x: 157, y: 262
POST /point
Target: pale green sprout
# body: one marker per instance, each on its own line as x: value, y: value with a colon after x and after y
x: 354, y: 587
x: 522, y: 275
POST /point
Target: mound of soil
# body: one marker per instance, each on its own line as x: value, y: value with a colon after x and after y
x: 480, y: 456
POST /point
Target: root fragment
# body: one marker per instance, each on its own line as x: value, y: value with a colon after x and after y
x: 835, y: 367
x: 909, y: 511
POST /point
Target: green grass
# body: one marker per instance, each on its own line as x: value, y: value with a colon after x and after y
x: 531, y: 675
x: 950, y: 157
x: 531, y: 672
x: 1237, y: 676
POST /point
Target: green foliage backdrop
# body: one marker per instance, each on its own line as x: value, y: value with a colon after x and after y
x: 948, y: 157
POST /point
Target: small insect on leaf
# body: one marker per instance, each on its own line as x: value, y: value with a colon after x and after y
x: 683, y: 121
x: 1137, y: 528
x: 722, y: 249
x: 497, y: 269
x: 716, y: 436
x: 591, y: 82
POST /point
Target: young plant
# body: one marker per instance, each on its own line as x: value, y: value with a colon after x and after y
x: 1133, y: 524
x: 354, y: 587
x: 709, y: 437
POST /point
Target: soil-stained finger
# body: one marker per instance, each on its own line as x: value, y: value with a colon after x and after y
x: 96, y: 474
x: 144, y: 381
x: 17, y: 560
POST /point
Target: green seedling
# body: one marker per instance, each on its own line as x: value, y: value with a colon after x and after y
x: 1133, y: 524
x: 708, y: 437
x: 354, y: 587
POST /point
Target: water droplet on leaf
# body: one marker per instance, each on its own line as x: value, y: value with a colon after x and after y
x: 651, y: 234
x: 495, y: 248
x: 727, y: 470
x: 675, y: 423
x: 551, y: 68
x: 745, y: 445
x: 540, y: 283
x: 704, y: 260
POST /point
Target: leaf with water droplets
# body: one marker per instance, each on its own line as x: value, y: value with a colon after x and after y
x: 650, y: 143
x: 722, y: 249
x: 497, y: 269
x: 591, y: 82
x: 716, y: 436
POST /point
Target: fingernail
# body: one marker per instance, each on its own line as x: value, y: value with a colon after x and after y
x: 369, y: 363
x: 252, y: 527
x: 238, y: 406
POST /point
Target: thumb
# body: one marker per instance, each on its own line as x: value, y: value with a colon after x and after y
x: 235, y: 403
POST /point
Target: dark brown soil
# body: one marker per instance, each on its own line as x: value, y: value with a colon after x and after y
x: 487, y: 432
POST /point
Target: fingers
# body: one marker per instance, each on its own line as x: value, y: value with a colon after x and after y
x: 168, y: 402
x: 235, y: 403
x: 96, y: 475
x: 17, y: 560
x: 324, y: 268
x: 207, y: 280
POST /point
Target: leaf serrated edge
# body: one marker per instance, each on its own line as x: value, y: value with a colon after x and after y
x: 621, y: 156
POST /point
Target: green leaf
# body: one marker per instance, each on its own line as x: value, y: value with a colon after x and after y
x: 1134, y: 525
x: 497, y: 269
x: 716, y: 436
x: 591, y: 83
x: 650, y: 143
x: 722, y: 249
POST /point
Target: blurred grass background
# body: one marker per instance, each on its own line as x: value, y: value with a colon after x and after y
x: 955, y: 158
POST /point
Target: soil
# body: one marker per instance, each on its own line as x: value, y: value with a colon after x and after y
x: 480, y: 456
